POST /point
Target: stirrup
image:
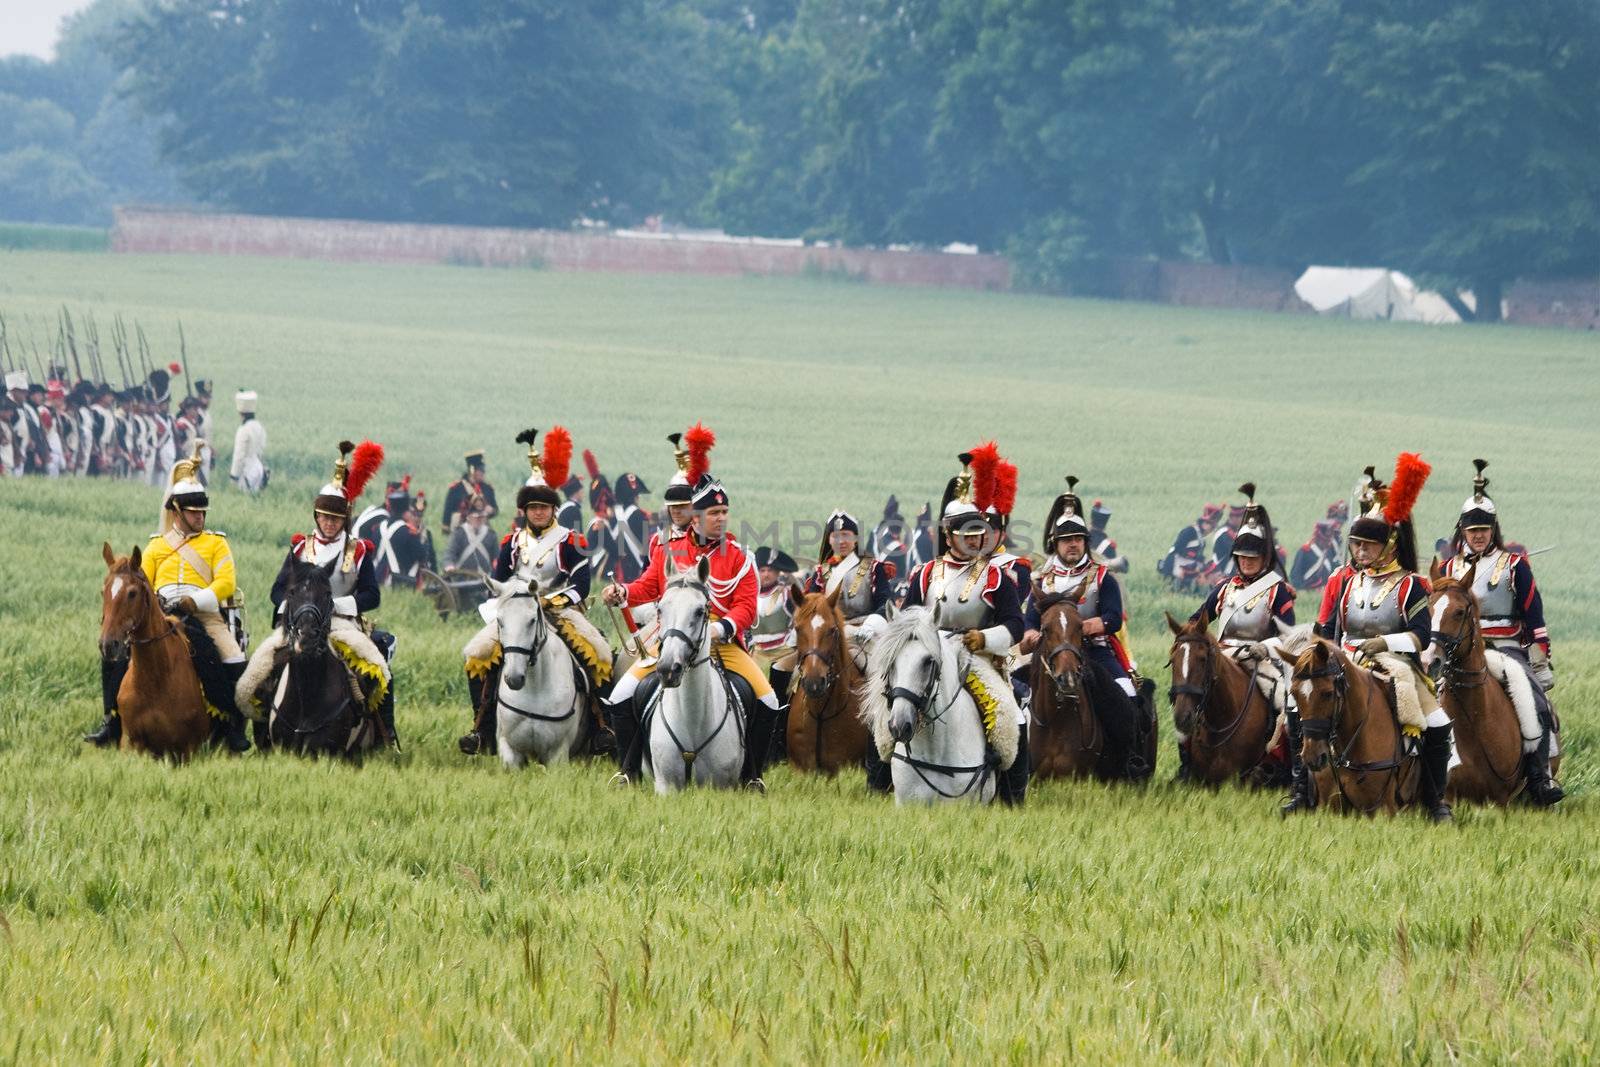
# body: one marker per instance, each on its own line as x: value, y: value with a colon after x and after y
x: 756, y: 785
x: 620, y: 779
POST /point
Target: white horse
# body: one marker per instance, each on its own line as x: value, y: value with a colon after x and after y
x: 694, y: 730
x: 922, y: 718
x: 538, y: 707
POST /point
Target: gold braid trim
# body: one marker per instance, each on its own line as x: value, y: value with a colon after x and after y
x: 480, y: 668
x: 362, y: 669
x: 987, y: 704
x: 599, y: 668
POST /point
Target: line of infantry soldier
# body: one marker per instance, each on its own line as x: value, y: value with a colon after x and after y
x: 1374, y: 605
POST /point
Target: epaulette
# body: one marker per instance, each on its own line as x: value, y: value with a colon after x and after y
x: 507, y: 538
x: 296, y: 540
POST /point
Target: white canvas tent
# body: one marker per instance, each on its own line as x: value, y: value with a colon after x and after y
x: 1371, y: 293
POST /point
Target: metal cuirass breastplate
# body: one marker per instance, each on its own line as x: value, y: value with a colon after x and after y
x: 953, y: 613
x: 855, y: 590
x: 342, y: 581
x: 772, y: 619
x: 1253, y: 619
x: 1495, y: 602
x: 540, y: 558
x: 1367, y: 616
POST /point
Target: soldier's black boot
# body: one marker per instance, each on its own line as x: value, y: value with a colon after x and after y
x: 625, y: 728
x: 1436, y: 772
x: 471, y: 742
x: 110, y: 729
x: 879, y: 778
x: 108, y: 733
x: 1299, y: 779
x: 1542, y: 787
x: 1014, y: 779
x: 1185, y: 769
x: 757, y: 743
x: 386, y: 716
x: 233, y: 732
x: 781, y: 682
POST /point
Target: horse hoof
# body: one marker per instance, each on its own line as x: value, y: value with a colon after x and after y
x: 470, y: 745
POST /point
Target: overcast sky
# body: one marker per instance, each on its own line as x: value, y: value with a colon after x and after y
x: 30, y: 25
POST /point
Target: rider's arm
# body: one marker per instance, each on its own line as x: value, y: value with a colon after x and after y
x: 1008, y: 626
x: 575, y: 565
x: 1283, y: 603
x: 1327, y: 614
x: 646, y: 589
x: 148, y: 562
x: 280, y: 584
x: 1530, y: 603
x: 367, y: 593
x: 223, y: 580
x: 743, y: 603
x: 1414, y: 609
x: 1208, y: 610
x: 502, y: 564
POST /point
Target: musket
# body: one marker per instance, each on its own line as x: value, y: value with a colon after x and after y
x: 183, y: 356
x: 72, y: 343
x: 92, y: 331
x: 119, y: 341
x: 5, y: 345
x: 144, y: 351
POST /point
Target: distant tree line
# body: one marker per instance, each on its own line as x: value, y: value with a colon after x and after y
x: 1458, y: 141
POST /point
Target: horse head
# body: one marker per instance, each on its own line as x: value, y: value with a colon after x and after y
x: 308, y: 606
x: 907, y: 673
x: 819, y: 643
x: 1061, y: 634
x: 1193, y: 671
x: 126, y: 601
x: 1319, y: 688
x: 1453, y: 614
x: 685, y: 614
x: 522, y: 628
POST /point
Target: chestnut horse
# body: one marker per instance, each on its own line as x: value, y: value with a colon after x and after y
x: 162, y: 708
x: 1216, y: 705
x: 1067, y: 735
x: 825, y: 730
x: 1487, y: 730
x: 1352, y: 744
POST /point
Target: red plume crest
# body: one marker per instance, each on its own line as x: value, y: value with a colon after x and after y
x: 364, y: 463
x: 557, y: 457
x: 1410, y: 472
x: 985, y: 465
x: 174, y: 368
x: 1005, y: 487
x: 591, y: 464
x: 698, y: 442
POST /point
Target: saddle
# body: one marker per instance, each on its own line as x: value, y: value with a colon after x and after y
x: 645, y: 702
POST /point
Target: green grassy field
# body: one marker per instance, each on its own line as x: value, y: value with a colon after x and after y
x: 427, y: 906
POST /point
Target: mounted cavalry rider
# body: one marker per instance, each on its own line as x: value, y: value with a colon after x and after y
x: 733, y: 593
x: 192, y: 572
x: 972, y: 595
x: 772, y: 637
x: 691, y: 452
x: 1376, y: 607
x: 353, y: 578
x: 470, y: 488
x: 546, y: 552
x: 1247, y: 608
x: 863, y: 584
x: 1512, y: 620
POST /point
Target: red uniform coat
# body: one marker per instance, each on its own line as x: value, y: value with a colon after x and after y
x: 735, y: 588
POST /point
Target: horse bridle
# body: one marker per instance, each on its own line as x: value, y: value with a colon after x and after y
x: 539, y: 641
x: 1216, y: 737
x: 1060, y: 680
x: 127, y: 633
x: 921, y: 702
x: 698, y: 641
x: 1454, y: 674
x: 1324, y: 729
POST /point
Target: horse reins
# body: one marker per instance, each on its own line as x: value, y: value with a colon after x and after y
x: 689, y: 755
x: 1325, y: 729
x: 920, y: 702
x: 1202, y: 695
x: 1457, y: 677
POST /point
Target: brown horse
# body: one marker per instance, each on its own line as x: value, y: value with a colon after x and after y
x: 1487, y: 730
x: 1352, y: 743
x: 825, y: 729
x: 162, y: 708
x: 1067, y: 737
x: 1217, y: 706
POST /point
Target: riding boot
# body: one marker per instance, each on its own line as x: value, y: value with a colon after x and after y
x: 625, y: 728
x: 471, y: 743
x: 782, y: 681
x: 386, y: 717
x: 233, y: 733
x: 1542, y: 788
x: 1436, y: 772
x: 1299, y: 777
x: 1185, y: 767
x: 1014, y: 779
x: 110, y: 730
x: 757, y: 743
x: 879, y: 778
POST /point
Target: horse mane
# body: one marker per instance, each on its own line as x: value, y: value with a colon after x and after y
x: 911, y: 626
x: 1049, y: 600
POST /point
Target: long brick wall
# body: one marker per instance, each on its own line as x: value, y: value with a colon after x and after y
x: 146, y: 230
x: 1570, y: 302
